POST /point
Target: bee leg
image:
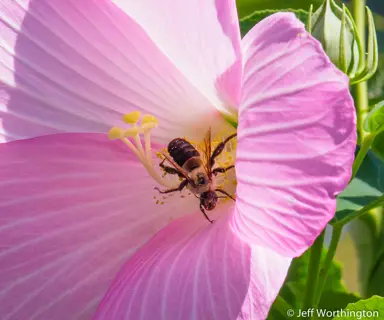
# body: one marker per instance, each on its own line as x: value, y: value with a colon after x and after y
x: 205, y: 215
x: 219, y: 149
x: 216, y: 171
x: 170, y: 170
x: 226, y: 193
x: 179, y: 188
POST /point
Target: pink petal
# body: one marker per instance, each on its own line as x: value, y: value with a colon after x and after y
x: 194, y: 270
x: 77, y: 66
x: 296, y: 137
x: 201, y: 38
x: 73, y: 208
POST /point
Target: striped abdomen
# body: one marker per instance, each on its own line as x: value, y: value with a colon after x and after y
x: 181, y: 151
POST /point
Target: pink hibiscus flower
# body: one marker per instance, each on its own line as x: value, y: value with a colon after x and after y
x: 80, y: 233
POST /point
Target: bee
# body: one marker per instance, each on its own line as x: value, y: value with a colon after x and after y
x: 197, y: 173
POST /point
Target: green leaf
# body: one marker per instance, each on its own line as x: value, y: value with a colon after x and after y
x: 378, y: 145
x: 372, y: 308
x: 249, y: 21
x: 298, y: 272
x: 367, y: 186
x: 368, y: 244
x: 279, y: 310
x: 359, y: 214
x: 374, y: 122
x: 337, y: 300
x: 375, y: 283
x: 334, y: 296
x: 246, y: 7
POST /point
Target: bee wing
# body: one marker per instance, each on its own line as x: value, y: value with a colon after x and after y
x: 208, y: 152
x: 180, y: 169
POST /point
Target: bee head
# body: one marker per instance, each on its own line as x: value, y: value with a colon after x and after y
x: 209, y: 200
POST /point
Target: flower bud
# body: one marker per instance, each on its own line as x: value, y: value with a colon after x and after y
x: 334, y: 29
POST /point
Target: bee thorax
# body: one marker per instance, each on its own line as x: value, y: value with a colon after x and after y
x: 192, y: 164
x: 202, y: 181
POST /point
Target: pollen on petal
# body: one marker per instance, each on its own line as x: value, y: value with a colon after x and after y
x: 132, y: 117
x: 115, y: 133
x: 159, y: 155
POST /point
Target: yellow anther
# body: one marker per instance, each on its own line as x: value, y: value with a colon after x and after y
x: 149, y: 119
x: 131, y: 132
x: 115, y: 133
x: 132, y: 117
x: 148, y: 126
x: 141, y: 146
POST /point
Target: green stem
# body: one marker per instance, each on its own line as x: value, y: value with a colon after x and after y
x: 362, y: 109
x: 365, y: 145
x: 357, y: 214
x: 336, y: 233
x: 361, y: 97
x: 313, y: 272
